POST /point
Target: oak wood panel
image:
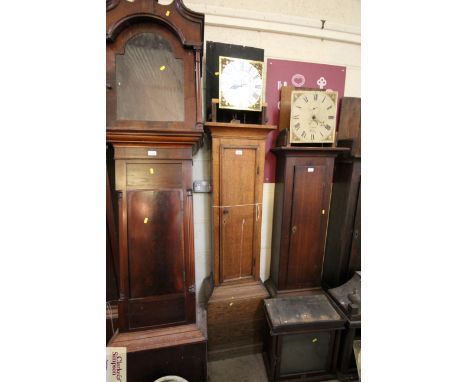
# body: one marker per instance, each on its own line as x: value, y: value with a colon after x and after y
x: 237, y: 211
x: 237, y: 197
x: 235, y: 316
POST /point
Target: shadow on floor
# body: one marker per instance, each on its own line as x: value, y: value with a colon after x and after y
x: 248, y: 368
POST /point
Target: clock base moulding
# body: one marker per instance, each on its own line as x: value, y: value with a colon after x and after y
x: 152, y: 354
x: 235, y: 318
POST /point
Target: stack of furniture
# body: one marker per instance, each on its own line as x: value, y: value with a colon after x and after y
x: 154, y: 124
x: 304, y: 336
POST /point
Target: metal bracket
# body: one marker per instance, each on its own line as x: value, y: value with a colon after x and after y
x: 191, y: 288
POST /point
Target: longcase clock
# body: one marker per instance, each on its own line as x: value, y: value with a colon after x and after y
x: 154, y: 122
x: 301, y: 208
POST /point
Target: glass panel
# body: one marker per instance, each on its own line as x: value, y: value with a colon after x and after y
x: 150, y: 81
x: 305, y: 352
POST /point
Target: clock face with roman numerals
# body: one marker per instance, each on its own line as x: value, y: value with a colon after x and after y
x: 313, y: 116
x: 240, y: 84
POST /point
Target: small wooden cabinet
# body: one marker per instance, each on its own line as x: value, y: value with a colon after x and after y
x: 303, y: 338
x: 301, y: 208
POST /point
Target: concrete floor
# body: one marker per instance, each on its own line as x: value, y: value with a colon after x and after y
x: 248, y: 368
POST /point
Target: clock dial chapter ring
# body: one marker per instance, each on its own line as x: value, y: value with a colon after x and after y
x: 312, y: 116
x: 240, y: 84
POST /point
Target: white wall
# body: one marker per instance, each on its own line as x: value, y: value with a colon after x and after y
x: 285, y: 29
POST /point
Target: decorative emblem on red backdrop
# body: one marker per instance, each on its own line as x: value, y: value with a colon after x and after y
x: 300, y: 74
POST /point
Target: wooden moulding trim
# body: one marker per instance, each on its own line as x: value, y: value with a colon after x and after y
x: 158, y: 338
x: 297, y: 151
x: 157, y: 16
x: 239, y: 126
x: 165, y: 139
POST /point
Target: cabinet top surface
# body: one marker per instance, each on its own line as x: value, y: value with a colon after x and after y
x: 239, y: 125
x: 300, y: 311
x: 295, y: 149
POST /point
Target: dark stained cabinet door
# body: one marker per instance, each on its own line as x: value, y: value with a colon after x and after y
x: 157, y: 273
x: 300, y: 219
x: 307, y: 222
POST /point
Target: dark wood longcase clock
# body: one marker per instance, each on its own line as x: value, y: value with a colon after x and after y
x: 154, y: 123
x: 301, y: 208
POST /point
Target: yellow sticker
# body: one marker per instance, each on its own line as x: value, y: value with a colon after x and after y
x: 151, y: 171
x: 168, y: 13
x: 145, y: 221
x: 162, y: 67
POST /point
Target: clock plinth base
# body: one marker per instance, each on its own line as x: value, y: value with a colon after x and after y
x: 236, y: 322
x: 152, y: 354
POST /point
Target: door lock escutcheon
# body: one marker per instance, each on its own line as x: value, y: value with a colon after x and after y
x: 293, y: 229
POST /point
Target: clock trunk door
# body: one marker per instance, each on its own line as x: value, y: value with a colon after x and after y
x: 307, y: 227
x: 238, y: 212
x: 156, y: 257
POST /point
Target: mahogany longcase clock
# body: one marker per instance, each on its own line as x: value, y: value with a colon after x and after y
x: 154, y: 123
x: 300, y: 219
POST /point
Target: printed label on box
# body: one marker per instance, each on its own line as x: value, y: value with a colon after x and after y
x: 116, y: 364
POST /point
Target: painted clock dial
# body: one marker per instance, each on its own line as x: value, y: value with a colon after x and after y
x: 240, y: 84
x: 313, y: 116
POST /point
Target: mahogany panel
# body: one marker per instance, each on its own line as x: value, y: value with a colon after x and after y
x: 156, y: 257
x: 148, y: 312
x: 151, y: 175
x: 300, y: 218
x: 152, y: 354
x: 306, y: 246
